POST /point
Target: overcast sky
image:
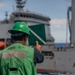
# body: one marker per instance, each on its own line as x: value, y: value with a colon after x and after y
x: 55, y: 9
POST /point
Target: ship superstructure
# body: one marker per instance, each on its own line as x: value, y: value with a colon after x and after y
x: 30, y: 18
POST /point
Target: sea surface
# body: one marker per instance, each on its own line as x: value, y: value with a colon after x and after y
x: 62, y: 44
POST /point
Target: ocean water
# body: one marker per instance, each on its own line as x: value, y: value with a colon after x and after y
x: 62, y: 44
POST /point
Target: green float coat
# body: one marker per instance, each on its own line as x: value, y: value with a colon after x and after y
x: 17, y: 59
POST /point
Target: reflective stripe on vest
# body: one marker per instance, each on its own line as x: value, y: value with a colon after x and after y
x: 17, y: 54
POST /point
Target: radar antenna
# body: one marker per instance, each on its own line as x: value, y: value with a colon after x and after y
x: 6, y: 14
x: 20, y: 4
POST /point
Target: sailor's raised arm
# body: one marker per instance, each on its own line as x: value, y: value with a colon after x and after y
x: 38, y: 56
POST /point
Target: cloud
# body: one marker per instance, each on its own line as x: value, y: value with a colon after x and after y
x: 58, y: 30
x: 58, y: 22
x: 2, y: 5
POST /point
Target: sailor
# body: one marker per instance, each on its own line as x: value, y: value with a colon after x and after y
x: 18, y: 58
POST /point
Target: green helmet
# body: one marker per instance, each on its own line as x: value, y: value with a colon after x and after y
x: 21, y: 27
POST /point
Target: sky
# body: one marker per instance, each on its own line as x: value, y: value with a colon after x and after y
x: 55, y: 9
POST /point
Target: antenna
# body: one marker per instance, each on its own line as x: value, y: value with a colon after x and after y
x: 6, y: 14
x: 20, y: 4
x: 13, y: 8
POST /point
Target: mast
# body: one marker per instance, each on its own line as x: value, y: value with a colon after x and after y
x: 20, y: 4
x: 73, y: 24
x: 6, y: 14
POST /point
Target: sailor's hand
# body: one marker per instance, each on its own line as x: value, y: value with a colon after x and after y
x: 39, y: 47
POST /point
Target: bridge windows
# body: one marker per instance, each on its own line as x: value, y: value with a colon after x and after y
x: 30, y: 16
x: 50, y: 40
x: 73, y: 65
x: 50, y: 54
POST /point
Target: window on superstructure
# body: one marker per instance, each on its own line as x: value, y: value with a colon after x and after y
x: 21, y: 15
x: 49, y: 40
x: 47, y: 53
x: 24, y: 15
x: 50, y: 54
x: 27, y: 16
x: 73, y: 65
x: 30, y: 16
x: 16, y: 15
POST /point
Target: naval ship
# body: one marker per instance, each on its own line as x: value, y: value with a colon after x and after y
x: 56, y: 59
